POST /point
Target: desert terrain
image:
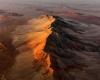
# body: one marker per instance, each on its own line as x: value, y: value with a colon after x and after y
x: 49, y: 40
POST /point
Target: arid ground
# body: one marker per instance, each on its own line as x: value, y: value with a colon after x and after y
x: 25, y: 39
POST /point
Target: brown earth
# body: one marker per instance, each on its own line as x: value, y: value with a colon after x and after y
x: 49, y: 48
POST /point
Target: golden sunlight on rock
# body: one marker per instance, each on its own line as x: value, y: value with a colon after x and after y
x: 38, y: 39
x: 33, y: 36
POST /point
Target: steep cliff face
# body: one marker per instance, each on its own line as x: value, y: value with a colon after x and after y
x: 52, y: 48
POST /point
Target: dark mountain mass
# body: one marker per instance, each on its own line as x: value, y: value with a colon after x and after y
x: 74, y: 50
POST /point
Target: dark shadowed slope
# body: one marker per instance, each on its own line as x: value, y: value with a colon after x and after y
x: 74, y: 50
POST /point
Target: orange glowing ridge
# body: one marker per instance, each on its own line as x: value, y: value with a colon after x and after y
x: 38, y: 38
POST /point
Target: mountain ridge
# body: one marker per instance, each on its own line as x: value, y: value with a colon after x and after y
x: 60, y: 49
